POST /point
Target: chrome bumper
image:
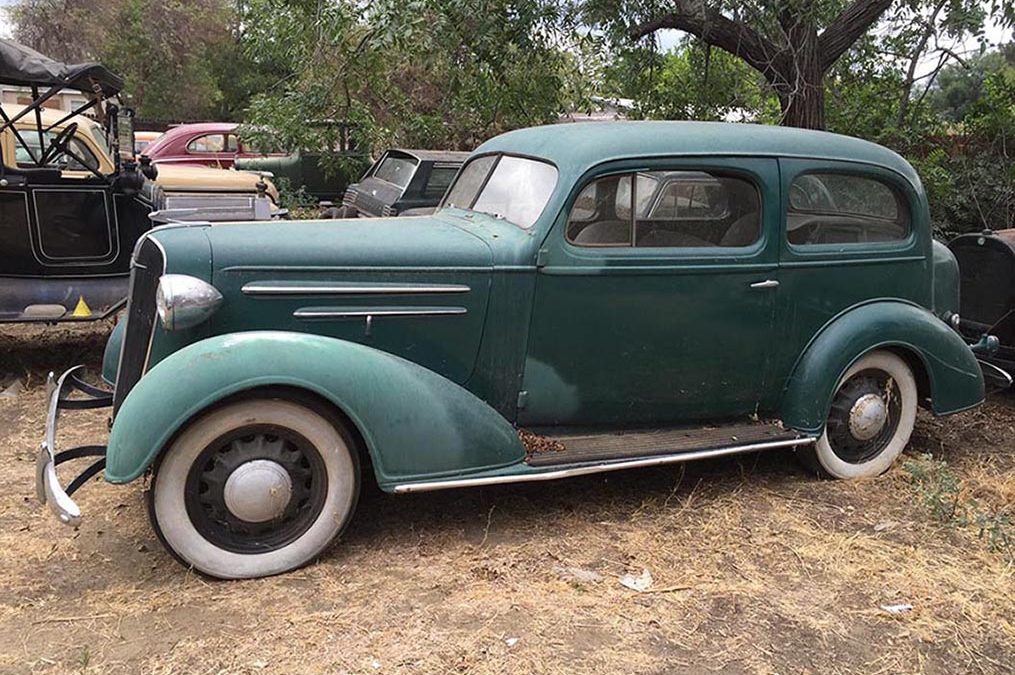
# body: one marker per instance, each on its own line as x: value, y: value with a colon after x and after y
x: 47, y: 483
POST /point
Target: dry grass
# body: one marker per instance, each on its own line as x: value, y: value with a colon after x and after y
x: 756, y: 566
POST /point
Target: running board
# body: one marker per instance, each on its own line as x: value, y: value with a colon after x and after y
x: 580, y: 456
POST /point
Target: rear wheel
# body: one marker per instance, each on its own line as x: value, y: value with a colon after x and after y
x: 256, y: 487
x: 870, y: 421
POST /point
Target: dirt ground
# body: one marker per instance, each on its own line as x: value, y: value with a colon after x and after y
x: 756, y: 567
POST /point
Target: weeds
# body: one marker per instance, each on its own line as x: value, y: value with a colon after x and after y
x: 941, y: 493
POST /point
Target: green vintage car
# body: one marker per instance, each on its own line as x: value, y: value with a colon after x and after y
x: 588, y: 298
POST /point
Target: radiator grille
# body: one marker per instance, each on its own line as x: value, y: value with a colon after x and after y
x: 147, y: 266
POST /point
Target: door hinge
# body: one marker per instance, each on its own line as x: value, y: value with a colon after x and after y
x: 523, y: 398
x: 541, y: 257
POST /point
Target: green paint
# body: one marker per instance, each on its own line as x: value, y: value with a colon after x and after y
x: 551, y: 334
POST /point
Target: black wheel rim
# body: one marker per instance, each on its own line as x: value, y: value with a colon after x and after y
x: 842, y: 436
x: 206, y: 481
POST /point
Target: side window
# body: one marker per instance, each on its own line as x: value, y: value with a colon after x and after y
x: 832, y: 208
x: 672, y: 209
x: 232, y: 143
x: 84, y: 158
x: 440, y: 179
x: 208, y: 143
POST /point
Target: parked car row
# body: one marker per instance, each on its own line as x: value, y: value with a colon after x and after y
x: 73, y: 201
x: 584, y: 299
x: 576, y: 300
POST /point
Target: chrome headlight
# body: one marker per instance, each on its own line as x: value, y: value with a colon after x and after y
x: 183, y: 301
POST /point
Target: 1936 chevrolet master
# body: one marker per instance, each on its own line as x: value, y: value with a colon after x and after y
x: 588, y: 298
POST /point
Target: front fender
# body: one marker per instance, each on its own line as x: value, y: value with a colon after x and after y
x: 954, y: 377
x: 415, y: 423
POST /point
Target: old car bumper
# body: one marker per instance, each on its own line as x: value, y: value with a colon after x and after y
x: 47, y: 483
x: 996, y: 371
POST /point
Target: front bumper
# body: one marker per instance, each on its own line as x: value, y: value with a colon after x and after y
x: 47, y: 483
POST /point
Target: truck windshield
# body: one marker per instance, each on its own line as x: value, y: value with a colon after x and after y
x: 396, y: 170
x: 517, y: 188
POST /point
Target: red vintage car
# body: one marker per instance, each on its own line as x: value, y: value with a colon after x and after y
x: 202, y: 144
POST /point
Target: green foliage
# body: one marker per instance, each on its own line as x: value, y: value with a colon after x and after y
x: 181, y: 61
x: 940, y: 493
x: 692, y: 82
x: 424, y: 73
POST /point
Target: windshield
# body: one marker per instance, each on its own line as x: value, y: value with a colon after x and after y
x: 396, y: 170
x: 517, y: 188
x: 100, y: 138
x: 83, y: 158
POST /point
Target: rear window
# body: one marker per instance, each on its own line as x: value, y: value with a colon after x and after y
x: 208, y: 143
x: 396, y: 169
x: 832, y: 208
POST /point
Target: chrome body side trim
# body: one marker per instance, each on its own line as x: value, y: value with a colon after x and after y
x: 268, y: 288
x: 311, y: 313
x: 616, y: 465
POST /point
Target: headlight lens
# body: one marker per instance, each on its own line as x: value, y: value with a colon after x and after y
x: 183, y: 301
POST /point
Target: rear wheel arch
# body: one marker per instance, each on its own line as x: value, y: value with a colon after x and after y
x: 921, y: 373
x: 947, y: 375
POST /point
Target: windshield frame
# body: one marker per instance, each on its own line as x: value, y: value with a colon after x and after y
x: 498, y: 155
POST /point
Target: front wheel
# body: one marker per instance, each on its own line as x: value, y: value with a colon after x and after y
x: 870, y: 421
x: 256, y: 487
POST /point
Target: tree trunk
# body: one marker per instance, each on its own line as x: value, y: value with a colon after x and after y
x: 805, y: 107
x: 794, y: 60
x: 799, y: 81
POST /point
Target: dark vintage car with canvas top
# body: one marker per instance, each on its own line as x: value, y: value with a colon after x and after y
x: 73, y: 201
x: 401, y: 182
x: 587, y: 299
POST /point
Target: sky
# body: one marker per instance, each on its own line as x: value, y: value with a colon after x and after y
x: 5, y: 27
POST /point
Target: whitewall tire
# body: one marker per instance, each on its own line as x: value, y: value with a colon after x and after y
x: 871, y: 419
x: 256, y: 487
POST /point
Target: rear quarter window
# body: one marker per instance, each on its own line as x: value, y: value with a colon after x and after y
x: 840, y: 208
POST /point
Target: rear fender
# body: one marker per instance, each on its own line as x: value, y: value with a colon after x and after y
x: 415, y: 424
x: 953, y: 375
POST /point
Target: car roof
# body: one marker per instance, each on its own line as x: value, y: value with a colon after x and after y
x: 434, y: 155
x: 49, y: 116
x: 202, y: 128
x: 574, y: 148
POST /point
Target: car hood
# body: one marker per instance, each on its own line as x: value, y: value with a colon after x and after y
x: 183, y: 178
x: 415, y: 287
x: 431, y: 241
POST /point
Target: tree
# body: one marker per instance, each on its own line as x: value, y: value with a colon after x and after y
x: 793, y: 43
x: 430, y: 73
x: 180, y: 61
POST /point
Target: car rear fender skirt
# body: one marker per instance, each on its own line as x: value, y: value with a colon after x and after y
x: 415, y: 424
x: 952, y: 374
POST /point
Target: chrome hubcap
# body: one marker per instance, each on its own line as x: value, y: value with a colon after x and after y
x: 867, y: 417
x: 258, y: 491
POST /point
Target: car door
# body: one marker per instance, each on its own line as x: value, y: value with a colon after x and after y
x: 72, y: 223
x: 655, y: 296
x: 851, y: 232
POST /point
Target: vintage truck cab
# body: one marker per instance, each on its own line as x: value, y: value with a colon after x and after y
x: 587, y: 298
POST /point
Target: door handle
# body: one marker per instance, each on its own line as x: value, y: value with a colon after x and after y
x: 767, y: 283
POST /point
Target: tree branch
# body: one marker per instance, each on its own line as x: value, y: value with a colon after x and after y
x: 847, y: 28
x: 708, y: 24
